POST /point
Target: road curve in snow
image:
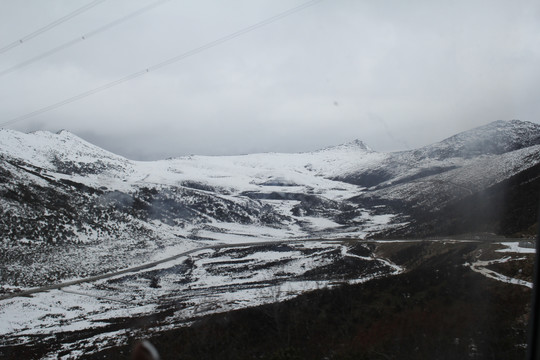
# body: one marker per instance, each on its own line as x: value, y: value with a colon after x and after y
x: 149, y: 265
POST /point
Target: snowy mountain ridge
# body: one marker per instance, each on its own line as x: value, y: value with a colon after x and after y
x: 496, y: 138
x: 40, y: 147
x: 62, y: 195
x: 353, y: 145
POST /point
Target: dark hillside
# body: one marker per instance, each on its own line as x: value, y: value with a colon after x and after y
x: 439, y: 310
x: 508, y: 208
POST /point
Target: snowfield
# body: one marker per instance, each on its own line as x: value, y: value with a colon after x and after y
x: 207, y: 281
x: 290, y: 223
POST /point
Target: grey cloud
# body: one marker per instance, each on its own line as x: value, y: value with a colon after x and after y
x: 404, y: 74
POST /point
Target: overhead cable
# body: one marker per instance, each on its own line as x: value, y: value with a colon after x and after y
x: 82, y: 37
x: 163, y: 63
x: 50, y: 26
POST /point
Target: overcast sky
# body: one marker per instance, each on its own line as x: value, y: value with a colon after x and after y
x: 395, y: 74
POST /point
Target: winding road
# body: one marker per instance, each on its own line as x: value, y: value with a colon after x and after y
x: 149, y: 265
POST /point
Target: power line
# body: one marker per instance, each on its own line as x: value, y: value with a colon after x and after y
x: 50, y: 26
x: 164, y: 63
x: 82, y: 37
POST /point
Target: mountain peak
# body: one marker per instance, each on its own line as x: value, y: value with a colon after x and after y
x: 356, y: 144
x: 50, y: 150
x: 65, y: 132
x: 497, y: 137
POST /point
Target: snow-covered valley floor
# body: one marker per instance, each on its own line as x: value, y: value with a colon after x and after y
x: 89, y: 316
x: 180, y: 290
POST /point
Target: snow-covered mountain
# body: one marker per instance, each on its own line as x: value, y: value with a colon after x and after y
x: 484, y: 179
x: 61, y: 196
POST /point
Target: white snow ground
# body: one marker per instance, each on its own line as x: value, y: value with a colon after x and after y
x: 208, y: 281
x: 511, y: 247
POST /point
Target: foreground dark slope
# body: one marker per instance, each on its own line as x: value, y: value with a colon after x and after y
x: 439, y: 309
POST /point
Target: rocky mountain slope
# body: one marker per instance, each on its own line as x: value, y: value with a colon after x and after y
x: 483, y: 180
x: 64, y: 198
